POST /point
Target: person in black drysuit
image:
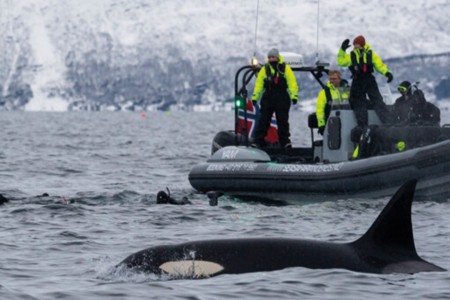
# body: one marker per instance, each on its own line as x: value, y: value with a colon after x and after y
x: 411, y: 108
x: 165, y: 198
x: 278, y: 86
x: 362, y: 62
x: 402, y: 106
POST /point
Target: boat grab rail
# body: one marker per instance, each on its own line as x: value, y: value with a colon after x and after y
x: 242, y: 92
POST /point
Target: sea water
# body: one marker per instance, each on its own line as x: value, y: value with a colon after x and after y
x: 82, y: 189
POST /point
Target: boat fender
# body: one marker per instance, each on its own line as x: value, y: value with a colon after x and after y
x: 213, y: 198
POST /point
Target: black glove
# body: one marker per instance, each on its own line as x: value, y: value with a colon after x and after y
x: 254, y: 102
x: 294, y: 101
x: 389, y: 76
x: 321, y: 130
x: 345, y: 44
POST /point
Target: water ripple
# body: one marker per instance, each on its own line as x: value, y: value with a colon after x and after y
x: 82, y: 193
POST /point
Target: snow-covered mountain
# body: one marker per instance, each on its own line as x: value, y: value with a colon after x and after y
x: 147, y: 54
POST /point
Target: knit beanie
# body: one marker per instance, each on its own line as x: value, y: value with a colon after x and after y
x: 273, y: 52
x: 359, y: 40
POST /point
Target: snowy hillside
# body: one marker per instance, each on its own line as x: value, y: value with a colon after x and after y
x: 147, y: 54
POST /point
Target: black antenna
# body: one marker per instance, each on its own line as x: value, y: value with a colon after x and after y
x: 317, y: 33
x: 256, y: 28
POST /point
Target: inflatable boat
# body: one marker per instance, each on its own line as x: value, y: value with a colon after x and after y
x: 328, y: 169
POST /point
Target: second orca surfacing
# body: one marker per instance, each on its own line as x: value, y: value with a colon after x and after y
x: 387, y: 247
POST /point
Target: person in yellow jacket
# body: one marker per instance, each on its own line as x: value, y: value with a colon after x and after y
x: 276, y: 85
x: 362, y: 62
x: 336, y: 92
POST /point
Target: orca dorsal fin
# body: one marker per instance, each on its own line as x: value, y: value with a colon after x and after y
x: 392, y: 230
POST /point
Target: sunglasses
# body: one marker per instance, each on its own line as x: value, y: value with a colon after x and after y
x: 272, y: 56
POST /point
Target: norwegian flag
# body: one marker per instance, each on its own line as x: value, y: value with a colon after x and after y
x: 253, y: 113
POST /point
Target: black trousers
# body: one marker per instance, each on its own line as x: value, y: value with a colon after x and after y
x: 362, y: 86
x: 278, y: 103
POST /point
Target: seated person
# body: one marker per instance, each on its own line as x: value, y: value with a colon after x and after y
x: 416, y: 121
x: 336, y: 92
x: 411, y: 108
x: 403, y: 104
x: 423, y: 112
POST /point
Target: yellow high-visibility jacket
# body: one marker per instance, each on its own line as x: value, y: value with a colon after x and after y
x: 291, y: 81
x: 339, y: 95
x: 344, y: 59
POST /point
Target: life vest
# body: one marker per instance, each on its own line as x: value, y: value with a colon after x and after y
x: 329, y: 102
x: 276, y: 81
x: 360, y: 67
x: 344, y: 96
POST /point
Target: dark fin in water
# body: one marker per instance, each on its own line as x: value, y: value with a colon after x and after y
x: 392, y: 234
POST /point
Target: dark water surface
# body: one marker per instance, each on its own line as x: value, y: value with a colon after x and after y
x: 102, y: 172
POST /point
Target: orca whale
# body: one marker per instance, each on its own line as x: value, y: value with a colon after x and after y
x: 387, y: 247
